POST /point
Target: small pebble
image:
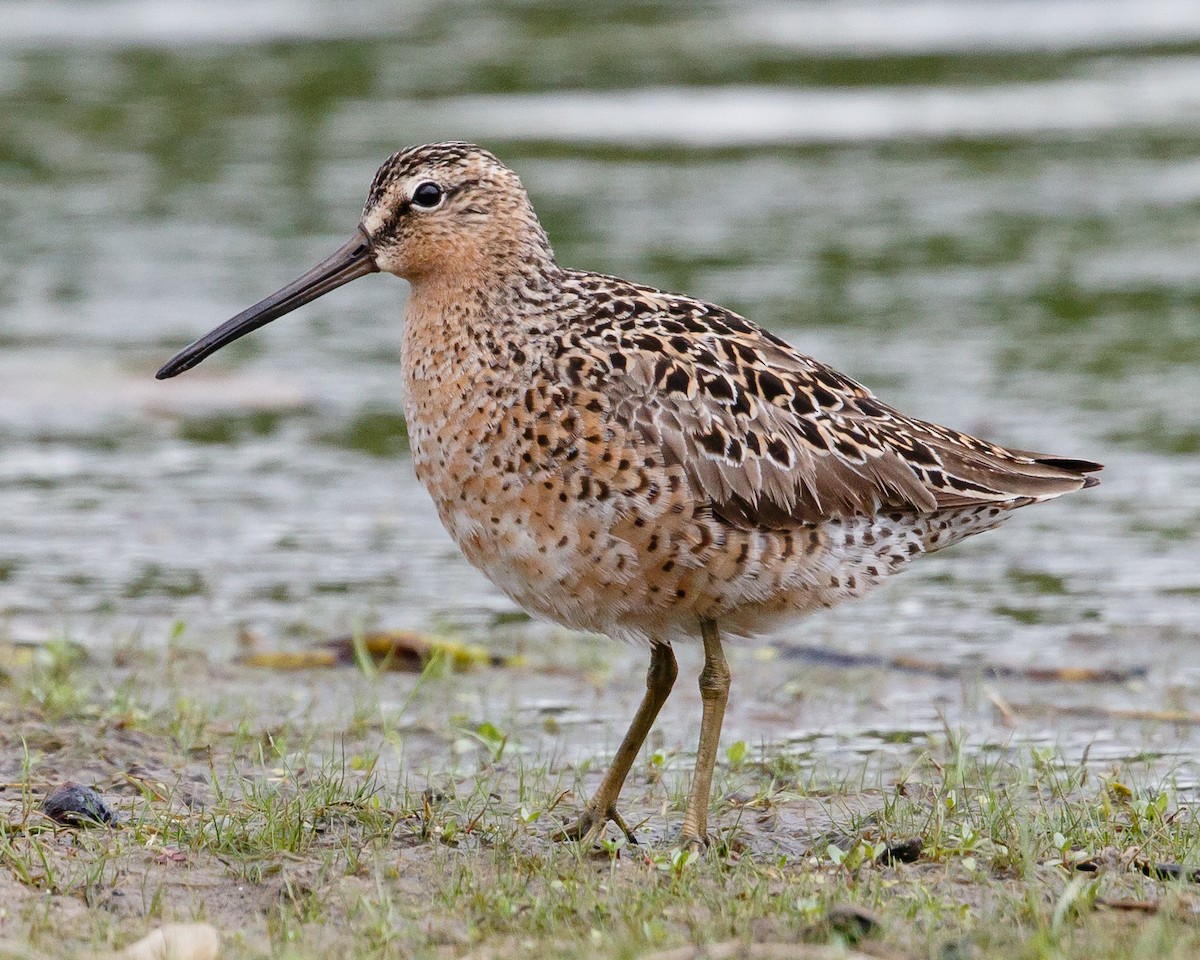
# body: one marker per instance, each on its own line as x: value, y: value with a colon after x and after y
x: 176, y: 941
x: 77, y: 806
x: 853, y: 922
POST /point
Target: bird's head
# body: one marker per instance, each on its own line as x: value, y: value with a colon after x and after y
x: 447, y: 208
x: 443, y: 211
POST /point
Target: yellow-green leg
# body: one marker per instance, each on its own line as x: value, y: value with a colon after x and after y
x: 603, y: 806
x: 714, y: 694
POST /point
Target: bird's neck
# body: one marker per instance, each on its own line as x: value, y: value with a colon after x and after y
x: 468, y: 338
x: 497, y: 298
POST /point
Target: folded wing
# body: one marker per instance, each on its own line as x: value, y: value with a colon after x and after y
x: 773, y: 438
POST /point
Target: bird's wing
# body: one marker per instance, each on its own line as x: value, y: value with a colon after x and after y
x: 773, y: 438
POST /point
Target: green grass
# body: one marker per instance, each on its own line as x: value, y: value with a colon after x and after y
x: 328, y: 834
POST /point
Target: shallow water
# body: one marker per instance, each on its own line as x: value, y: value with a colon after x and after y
x: 986, y: 214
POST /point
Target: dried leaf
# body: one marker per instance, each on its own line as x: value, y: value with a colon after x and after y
x: 387, y: 649
x: 289, y: 659
x: 407, y: 650
x: 1132, y: 906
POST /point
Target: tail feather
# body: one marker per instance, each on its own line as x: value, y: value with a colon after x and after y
x: 1062, y: 463
x: 1000, y: 474
x: 1077, y: 469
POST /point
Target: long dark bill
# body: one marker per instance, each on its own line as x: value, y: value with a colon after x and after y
x: 349, y: 262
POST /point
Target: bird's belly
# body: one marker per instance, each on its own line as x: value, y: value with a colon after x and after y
x: 559, y: 559
x: 628, y: 566
x: 651, y: 574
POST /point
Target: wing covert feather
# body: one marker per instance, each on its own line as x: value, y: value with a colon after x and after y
x: 773, y: 438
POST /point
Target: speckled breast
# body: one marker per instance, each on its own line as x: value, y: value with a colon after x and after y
x: 570, y: 514
x: 475, y: 448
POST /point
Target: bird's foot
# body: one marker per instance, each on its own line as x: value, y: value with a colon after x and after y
x: 692, y: 843
x: 591, y: 822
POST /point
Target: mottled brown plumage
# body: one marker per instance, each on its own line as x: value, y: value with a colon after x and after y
x: 640, y: 463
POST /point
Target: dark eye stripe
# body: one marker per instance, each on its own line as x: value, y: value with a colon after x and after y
x: 404, y: 207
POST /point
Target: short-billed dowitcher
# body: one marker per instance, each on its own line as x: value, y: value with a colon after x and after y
x: 640, y: 463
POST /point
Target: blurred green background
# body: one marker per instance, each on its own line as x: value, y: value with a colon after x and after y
x: 987, y: 211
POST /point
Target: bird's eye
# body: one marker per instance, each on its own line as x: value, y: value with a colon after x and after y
x: 427, y: 195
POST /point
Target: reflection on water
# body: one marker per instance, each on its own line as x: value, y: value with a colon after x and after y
x: 987, y: 215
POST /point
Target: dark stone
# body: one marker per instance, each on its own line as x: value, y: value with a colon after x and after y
x: 902, y: 851
x: 1167, y: 871
x: 853, y: 922
x: 77, y: 806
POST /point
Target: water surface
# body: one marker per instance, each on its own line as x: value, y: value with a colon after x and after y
x: 986, y: 211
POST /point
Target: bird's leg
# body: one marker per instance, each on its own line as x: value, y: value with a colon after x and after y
x: 602, y: 807
x: 714, y: 694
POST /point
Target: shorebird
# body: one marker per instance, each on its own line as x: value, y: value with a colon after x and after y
x: 638, y: 463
